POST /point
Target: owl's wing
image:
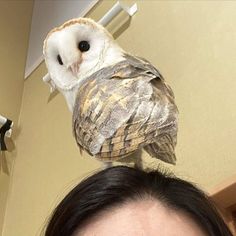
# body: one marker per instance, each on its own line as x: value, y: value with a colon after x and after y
x: 122, y: 108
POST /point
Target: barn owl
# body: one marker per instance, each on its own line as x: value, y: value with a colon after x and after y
x: 120, y: 103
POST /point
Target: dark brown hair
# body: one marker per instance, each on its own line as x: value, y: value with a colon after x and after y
x: 117, y: 185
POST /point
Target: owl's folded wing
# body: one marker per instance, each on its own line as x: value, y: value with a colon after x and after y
x: 121, y: 109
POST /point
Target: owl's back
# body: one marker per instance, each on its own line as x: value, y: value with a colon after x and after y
x: 123, y: 108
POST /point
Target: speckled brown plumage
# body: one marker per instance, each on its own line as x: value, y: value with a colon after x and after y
x: 125, y: 107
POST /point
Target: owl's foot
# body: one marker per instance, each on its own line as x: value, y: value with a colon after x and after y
x: 107, y: 165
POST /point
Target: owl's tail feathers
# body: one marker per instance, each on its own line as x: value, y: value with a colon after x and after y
x: 164, y: 152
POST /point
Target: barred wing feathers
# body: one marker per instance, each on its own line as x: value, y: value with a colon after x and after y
x: 125, y: 107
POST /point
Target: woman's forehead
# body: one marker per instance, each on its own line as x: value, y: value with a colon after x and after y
x: 143, y: 217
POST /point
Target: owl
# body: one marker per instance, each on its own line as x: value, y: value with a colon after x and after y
x: 120, y: 102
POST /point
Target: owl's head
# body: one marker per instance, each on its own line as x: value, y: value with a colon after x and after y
x: 75, y: 50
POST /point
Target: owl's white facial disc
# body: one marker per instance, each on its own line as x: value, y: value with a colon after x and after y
x: 65, y: 61
x: 76, y: 50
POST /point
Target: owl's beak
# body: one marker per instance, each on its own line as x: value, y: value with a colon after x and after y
x: 74, y: 68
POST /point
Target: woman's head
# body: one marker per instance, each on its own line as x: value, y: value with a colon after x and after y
x: 127, y: 201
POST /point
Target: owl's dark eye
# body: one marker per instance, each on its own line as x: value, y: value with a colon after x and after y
x: 59, y: 60
x: 83, y: 46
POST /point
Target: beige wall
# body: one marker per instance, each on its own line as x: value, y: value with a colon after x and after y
x: 14, y: 24
x: 193, y: 44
